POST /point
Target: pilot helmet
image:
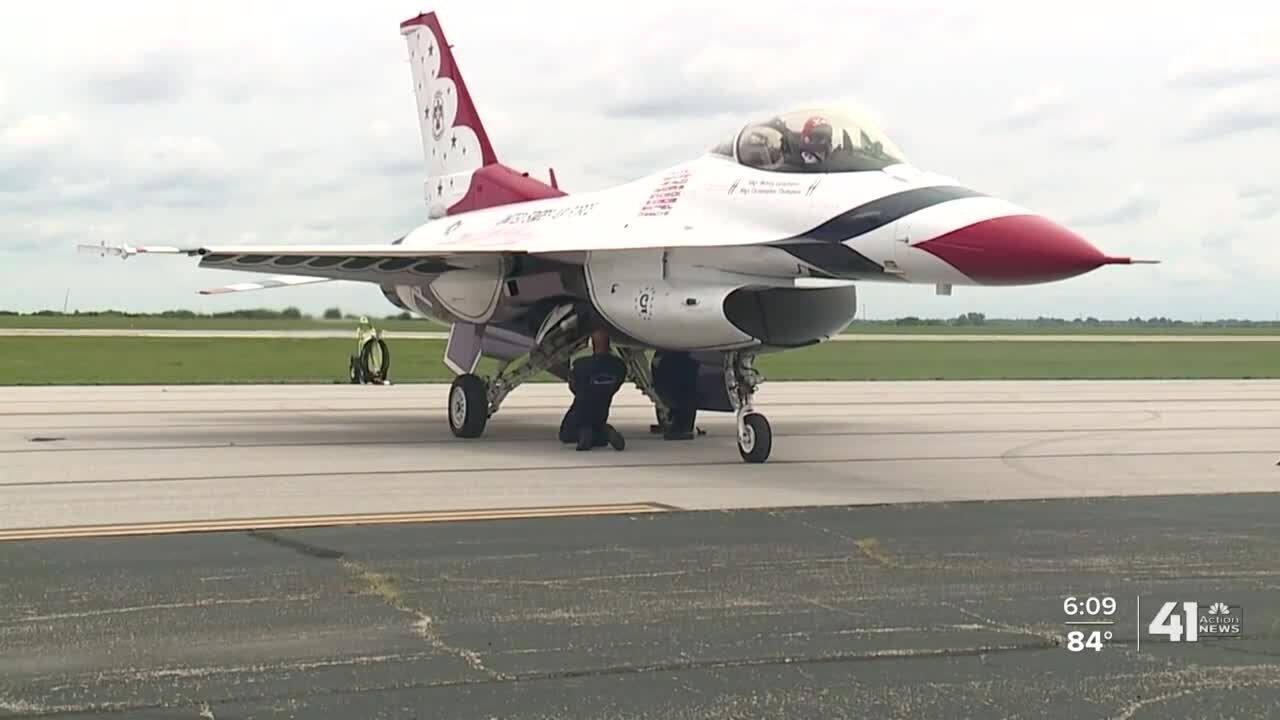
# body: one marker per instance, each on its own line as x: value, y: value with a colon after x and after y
x: 816, y: 134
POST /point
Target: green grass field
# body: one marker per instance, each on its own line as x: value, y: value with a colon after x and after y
x: 111, y: 360
x: 998, y: 327
x: 119, y: 322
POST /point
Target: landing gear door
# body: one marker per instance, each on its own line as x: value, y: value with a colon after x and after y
x: 462, y: 354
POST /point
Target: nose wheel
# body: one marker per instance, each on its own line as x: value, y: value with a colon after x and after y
x: 755, y: 436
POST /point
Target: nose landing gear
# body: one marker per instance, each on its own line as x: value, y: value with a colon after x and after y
x: 755, y: 436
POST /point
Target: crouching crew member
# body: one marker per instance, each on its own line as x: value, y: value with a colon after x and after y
x: 594, y: 380
x: 675, y: 379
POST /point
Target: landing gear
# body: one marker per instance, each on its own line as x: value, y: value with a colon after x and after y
x: 468, y: 406
x: 474, y: 399
x: 755, y: 436
x: 640, y: 372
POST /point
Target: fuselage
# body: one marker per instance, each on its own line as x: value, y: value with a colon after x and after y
x: 711, y: 254
x: 899, y: 224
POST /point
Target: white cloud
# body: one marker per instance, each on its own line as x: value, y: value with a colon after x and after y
x: 1034, y: 108
x: 165, y: 156
x: 1247, y: 54
x: 1136, y: 204
x: 38, y: 132
x: 1236, y: 110
x: 1195, y: 272
x: 1087, y: 133
x: 1262, y: 202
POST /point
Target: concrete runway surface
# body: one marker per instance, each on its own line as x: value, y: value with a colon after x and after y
x: 347, y: 334
x: 680, y: 598
x: 92, y: 455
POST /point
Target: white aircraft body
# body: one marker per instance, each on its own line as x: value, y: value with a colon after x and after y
x: 756, y: 246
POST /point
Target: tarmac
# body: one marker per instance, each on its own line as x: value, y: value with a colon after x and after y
x: 347, y: 334
x: 332, y: 551
x: 93, y: 455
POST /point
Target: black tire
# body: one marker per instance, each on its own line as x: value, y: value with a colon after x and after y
x: 758, y: 441
x: 366, y: 351
x: 468, y: 406
x: 355, y: 370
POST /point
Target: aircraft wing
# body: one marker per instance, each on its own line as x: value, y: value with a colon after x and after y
x: 293, y: 265
x: 398, y: 263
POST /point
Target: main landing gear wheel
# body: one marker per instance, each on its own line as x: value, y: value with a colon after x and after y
x: 468, y: 406
x: 474, y: 399
x: 755, y: 438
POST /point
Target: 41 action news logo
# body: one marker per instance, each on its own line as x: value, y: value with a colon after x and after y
x: 1189, y: 621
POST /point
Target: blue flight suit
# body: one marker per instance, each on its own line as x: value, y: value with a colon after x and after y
x: 675, y: 379
x: 594, y: 380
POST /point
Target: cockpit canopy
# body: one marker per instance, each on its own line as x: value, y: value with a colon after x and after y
x: 813, y: 140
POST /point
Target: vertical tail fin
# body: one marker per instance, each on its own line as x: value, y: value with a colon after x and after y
x: 463, y: 172
x: 454, y: 141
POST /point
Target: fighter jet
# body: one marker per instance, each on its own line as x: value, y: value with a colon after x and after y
x: 755, y: 246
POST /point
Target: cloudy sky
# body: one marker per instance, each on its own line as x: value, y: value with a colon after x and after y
x: 1156, y: 136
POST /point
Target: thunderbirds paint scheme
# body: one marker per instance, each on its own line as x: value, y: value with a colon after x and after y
x: 755, y: 246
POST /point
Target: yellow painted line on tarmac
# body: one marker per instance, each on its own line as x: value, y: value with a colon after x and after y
x: 307, y: 521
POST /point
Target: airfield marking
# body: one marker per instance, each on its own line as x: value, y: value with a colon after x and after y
x: 314, y: 521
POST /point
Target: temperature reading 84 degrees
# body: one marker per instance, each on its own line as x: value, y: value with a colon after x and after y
x: 1090, y: 610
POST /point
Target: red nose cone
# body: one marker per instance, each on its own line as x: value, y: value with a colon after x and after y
x: 1017, y: 250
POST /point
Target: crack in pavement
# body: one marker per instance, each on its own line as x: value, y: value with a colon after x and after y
x: 1240, y: 678
x: 1054, y: 639
x: 423, y: 624
x: 682, y: 665
x: 381, y: 585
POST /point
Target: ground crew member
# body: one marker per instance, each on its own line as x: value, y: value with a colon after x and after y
x: 594, y: 380
x: 675, y: 379
x: 364, y: 331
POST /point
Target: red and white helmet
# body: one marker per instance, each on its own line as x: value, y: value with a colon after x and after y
x: 816, y: 134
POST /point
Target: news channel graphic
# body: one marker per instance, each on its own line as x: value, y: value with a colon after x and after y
x: 1093, y: 621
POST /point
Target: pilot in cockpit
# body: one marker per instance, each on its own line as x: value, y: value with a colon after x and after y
x: 810, y: 146
x: 815, y: 140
